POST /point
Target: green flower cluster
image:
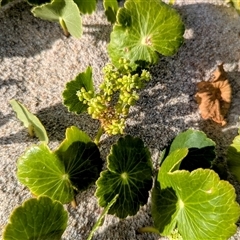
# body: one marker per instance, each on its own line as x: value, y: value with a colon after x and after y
x: 117, y: 94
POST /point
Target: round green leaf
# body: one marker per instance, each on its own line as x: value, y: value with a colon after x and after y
x: 82, y: 164
x: 74, y: 166
x: 164, y: 209
x: 64, y: 11
x: 198, y: 203
x: 37, y: 219
x: 201, y: 151
x: 70, y: 98
x: 129, y: 175
x: 191, y: 139
x: 29, y: 121
x: 144, y: 28
x: 44, y: 174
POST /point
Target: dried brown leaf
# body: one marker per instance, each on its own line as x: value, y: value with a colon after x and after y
x: 214, y: 96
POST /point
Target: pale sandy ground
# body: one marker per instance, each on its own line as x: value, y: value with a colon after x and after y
x: 36, y: 61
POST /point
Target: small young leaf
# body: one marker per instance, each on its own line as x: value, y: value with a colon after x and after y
x: 86, y: 6
x: 64, y: 11
x: 29, y: 121
x: 70, y: 98
x: 111, y: 8
x: 40, y: 218
x: 199, y: 204
x: 143, y: 29
x: 129, y: 174
x: 73, y: 166
x: 233, y: 157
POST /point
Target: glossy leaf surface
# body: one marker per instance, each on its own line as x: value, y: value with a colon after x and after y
x: 191, y: 139
x: 74, y: 166
x: 201, y: 149
x: 44, y: 174
x: 40, y: 219
x: 29, y: 121
x: 70, y: 98
x: 198, y: 203
x: 82, y: 163
x: 129, y: 175
x: 144, y: 29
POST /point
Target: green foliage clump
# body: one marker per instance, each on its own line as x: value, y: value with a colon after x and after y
x: 117, y: 94
x: 189, y: 200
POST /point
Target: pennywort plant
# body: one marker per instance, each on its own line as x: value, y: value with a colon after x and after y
x: 141, y: 33
x: 189, y: 201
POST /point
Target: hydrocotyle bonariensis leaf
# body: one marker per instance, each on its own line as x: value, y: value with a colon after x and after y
x: 29, y: 121
x: 65, y: 12
x: 201, y: 149
x: 197, y: 203
x: 70, y: 98
x: 44, y: 174
x: 73, y: 167
x: 128, y: 174
x: 143, y: 29
x: 40, y: 218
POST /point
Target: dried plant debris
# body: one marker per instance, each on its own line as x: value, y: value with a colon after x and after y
x: 214, y: 96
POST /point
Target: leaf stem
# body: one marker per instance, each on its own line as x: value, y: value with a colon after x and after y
x: 148, y: 229
x: 74, y: 203
x: 101, y: 218
x: 64, y: 27
x: 98, y: 136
